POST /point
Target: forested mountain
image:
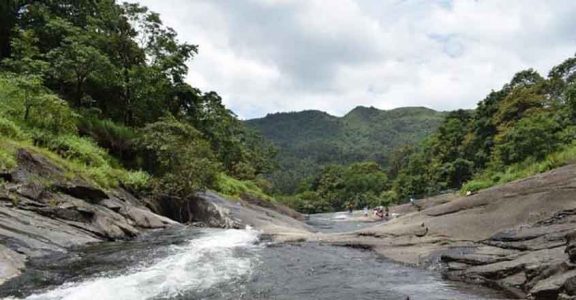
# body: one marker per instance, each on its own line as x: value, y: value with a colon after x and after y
x: 309, y: 140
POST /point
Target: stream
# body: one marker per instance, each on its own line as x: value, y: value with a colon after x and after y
x: 200, y: 263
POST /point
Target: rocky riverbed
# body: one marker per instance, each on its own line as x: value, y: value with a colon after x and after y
x: 519, y: 237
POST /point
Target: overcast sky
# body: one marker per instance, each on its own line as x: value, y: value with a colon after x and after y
x: 265, y: 56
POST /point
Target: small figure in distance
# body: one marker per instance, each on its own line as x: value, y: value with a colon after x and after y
x: 365, y: 211
x: 380, y: 213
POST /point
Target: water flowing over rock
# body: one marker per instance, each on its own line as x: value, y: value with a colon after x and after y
x: 43, y: 212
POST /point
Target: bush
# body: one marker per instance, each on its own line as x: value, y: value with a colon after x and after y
x: 476, y: 185
x: 74, y: 147
x: 235, y: 188
x: 135, y: 180
x: 118, y: 139
x: 184, y: 162
x: 25, y: 99
x: 525, y: 169
x: 7, y: 159
x: 9, y: 129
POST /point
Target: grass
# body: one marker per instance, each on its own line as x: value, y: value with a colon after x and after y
x: 104, y: 175
x: 525, y: 169
x: 234, y: 188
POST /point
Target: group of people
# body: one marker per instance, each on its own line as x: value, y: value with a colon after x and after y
x: 379, y: 212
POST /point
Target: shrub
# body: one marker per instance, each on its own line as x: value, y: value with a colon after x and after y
x: 74, y: 147
x: 135, y: 180
x: 235, y: 188
x: 527, y: 168
x: 7, y: 159
x: 476, y: 185
x: 24, y: 98
x: 184, y: 162
x: 118, y: 139
x: 9, y: 129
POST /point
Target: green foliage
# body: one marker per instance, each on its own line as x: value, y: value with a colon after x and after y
x: 7, y: 159
x: 26, y: 100
x: 311, y: 140
x: 236, y: 189
x: 518, y: 131
x: 532, y: 136
x: 308, y: 202
x: 11, y: 130
x: 119, y: 140
x: 524, y: 169
x: 336, y: 187
x: 74, y: 148
x: 184, y: 162
x: 117, y: 70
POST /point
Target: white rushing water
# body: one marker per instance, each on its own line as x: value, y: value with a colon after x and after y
x: 198, y: 265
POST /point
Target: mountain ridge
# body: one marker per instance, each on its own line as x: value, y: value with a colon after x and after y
x: 310, y: 139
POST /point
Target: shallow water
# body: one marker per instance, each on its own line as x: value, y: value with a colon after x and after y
x: 193, y: 263
x: 338, y: 222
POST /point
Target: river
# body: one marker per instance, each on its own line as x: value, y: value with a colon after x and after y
x: 200, y: 263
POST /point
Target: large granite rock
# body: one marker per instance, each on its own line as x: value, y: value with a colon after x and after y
x: 519, y: 237
x: 43, y: 212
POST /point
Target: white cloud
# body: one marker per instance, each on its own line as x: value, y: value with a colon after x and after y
x: 284, y: 55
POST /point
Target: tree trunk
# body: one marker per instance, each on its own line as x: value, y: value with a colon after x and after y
x: 129, y: 115
x: 79, y: 93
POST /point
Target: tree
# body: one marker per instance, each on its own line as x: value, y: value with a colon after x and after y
x: 533, y: 136
x: 184, y: 162
x: 75, y: 62
x: 25, y: 99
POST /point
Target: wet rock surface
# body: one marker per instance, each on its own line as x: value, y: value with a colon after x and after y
x: 519, y: 237
x: 42, y: 212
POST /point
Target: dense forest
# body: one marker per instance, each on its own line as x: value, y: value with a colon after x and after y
x: 526, y: 127
x: 308, y: 141
x: 99, y: 87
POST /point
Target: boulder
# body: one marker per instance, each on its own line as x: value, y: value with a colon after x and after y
x: 82, y: 191
x: 31, y: 167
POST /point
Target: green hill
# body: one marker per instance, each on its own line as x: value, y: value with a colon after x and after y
x: 311, y: 139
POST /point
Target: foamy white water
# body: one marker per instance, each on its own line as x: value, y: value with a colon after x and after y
x: 202, y: 263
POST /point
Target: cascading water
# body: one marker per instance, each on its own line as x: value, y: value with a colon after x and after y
x: 196, y: 266
x: 193, y: 263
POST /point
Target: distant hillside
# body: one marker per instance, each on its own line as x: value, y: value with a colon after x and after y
x: 310, y: 139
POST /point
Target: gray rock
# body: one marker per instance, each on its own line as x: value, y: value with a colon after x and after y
x: 550, y: 288
x: 571, y: 246
x: 12, y: 263
x: 82, y: 191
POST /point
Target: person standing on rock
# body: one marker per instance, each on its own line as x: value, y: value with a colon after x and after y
x: 413, y: 202
x: 350, y: 207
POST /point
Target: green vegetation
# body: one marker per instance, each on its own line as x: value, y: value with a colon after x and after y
x: 527, y: 127
x: 308, y: 141
x: 98, y: 88
x: 235, y: 189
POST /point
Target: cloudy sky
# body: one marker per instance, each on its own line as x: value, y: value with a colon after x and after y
x: 267, y: 56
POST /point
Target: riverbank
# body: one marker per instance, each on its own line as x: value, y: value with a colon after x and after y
x: 518, y: 237
x: 44, y: 212
x: 514, y: 237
